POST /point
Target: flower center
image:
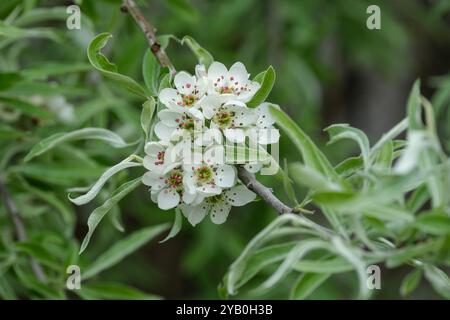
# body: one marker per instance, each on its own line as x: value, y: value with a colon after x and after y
x: 187, y: 124
x: 226, y: 89
x: 188, y: 100
x: 204, y: 174
x: 215, y: 199
x: 175, y: 179
x: 223, y: 118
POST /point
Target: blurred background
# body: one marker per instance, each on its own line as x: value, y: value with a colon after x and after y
x: 330, y: 69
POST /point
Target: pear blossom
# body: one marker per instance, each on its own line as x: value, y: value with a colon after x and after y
x: 187, y: 93
x: 218, y: 206
x: 233, y: 84
x: 158, y: 156
x: 231, y: 117
x: 264, y: 132
x: 172, y: 124
x: 210, y: 175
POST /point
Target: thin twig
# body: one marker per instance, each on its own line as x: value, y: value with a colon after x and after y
x: 21, y: 233
x: 246, y: 178
x: 150, y: 33
x: 257, y: 187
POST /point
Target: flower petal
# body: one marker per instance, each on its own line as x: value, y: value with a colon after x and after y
x: 235, y: 135
x: 184, y: 82
x: 163, y: 132
x: 168, y: 199
x: 239, y: 196
x: 225, y: 176
x: 219, y: 212
x: 169, y: 96
x: 153, y: 180
x: 198, y: 213
x: 170, y: 118
x: 239, y: 74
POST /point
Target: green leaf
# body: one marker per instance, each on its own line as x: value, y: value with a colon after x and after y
x: 121, y: 249
x: 151, y: 71
x: 82, y: 134
x: 44, y: 70
x: 8, y: 79
x: 438, y: 280
x: 306, y: 284
x: 434, y: 222
x: 101, y: 63
x: 267, y: 82
x: 148, y: 108
x: 309, y: 177
x: 98, y: 214
x: 344, y: 131
x: 40, y: 253
x: 176, y: 227
x: 203, y: 56
x: 95, y: 189
x: 112, y: 291
x: 312, y: 156
x: 410, y: 282
x: 414, y: 108
x: 26, y: 108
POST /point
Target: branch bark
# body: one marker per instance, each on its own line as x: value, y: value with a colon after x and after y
x: 150, y: 33
x: 21, y: 233
x: 246, y: 177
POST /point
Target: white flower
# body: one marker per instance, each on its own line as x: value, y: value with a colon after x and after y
x: 174, y: 123
x: 218, y: 206
x: 159, y: 156
x: 232, y: 117
x: 167, y: 187
x: 209, y: 176
x: 264, y: 132
x: 234, y: 84
x: 189, y: 91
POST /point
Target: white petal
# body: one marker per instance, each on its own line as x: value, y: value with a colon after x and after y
x: 168, y: 199
x: 225, y: 176
x: 239, y: 196
x: 185, y: 209
x: 253, y: 167
x: 210, y: 104
x: 170, y: 118
x: 208, y: 189
x: 153, y: 180
x: 163, y: 132
x: 184, y: 82
x: 268, y: 136
x: 265, y: 118
x: 219, y: 212
x: 217, y: 71
x: 239, y: 74
x: 198, y: 213
x: 153, y: 148
x: 188, y: 197
x: 243, y: 116
x: 200, y: 71
x: 235, y: 135
x: 252, y: 88
x: 169, y: 96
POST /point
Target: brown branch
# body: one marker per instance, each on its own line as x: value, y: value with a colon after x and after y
x: 150, y: 33
x: 257, y: 187
x: 246, y: 177
x: 21, y: 233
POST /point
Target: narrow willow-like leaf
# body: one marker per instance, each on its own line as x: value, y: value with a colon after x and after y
x: 434, y: 222
x: 306, y: 284
x: 439, y: 280
x: 101, y: 63
x: 102, y: 180
x: 151, y: 71
x: 309, y: 177
x: 410, y: 282
x: 26, y: 108
x: 148, y: 109
x: 267, y: 82
x: 113, y: 291
x: 82, y: 134
x: 344, y: 131
x: 121, y: 249
x: 176, y: 227
x: 312, y: 156
x: 98, y: 214
x: 414, y: 108
x: 203, y: 56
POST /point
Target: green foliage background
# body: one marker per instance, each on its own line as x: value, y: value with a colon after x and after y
x: 327, y: 64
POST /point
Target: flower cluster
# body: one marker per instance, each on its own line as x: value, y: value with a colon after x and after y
x: 204, y: 113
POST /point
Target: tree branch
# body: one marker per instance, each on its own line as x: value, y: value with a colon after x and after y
x: 257, y: 187
x: 245, y: 176
x: 150, y: 33
x: 11, y: 209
